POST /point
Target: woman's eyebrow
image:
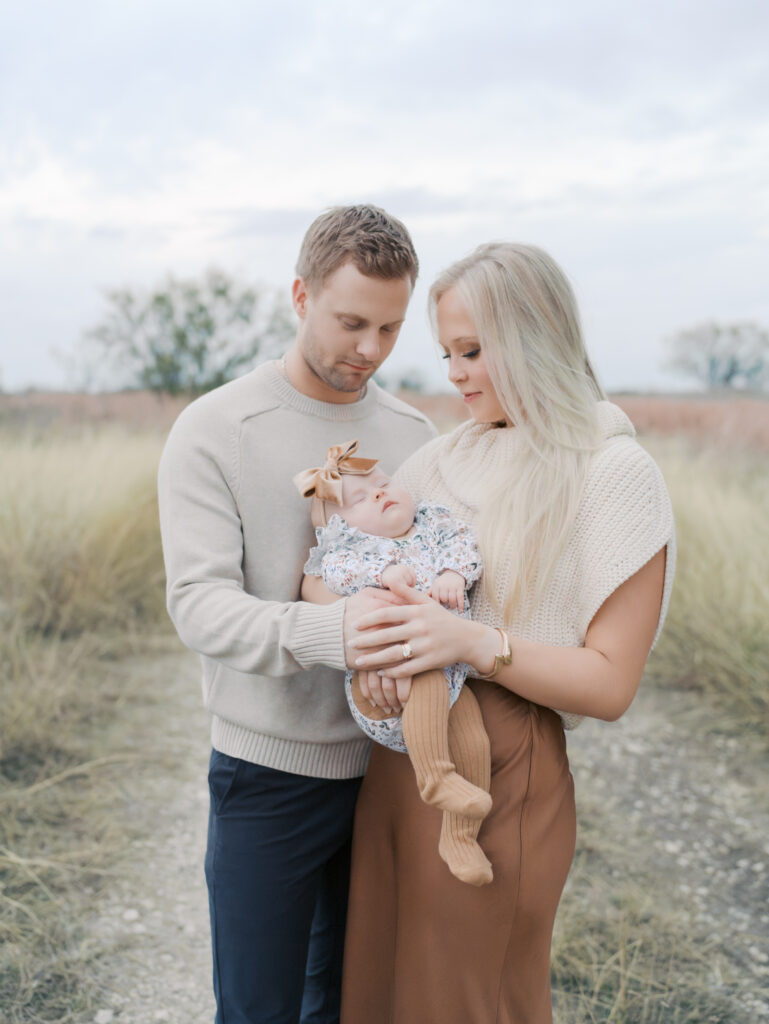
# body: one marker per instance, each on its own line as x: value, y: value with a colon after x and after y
x: 464, y: 340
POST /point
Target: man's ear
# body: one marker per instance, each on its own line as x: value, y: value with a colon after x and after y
x: 299, y: 297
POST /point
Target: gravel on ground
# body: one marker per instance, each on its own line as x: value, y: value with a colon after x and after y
x: 696, y: 802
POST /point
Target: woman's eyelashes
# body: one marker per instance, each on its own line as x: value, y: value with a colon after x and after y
x: 470, y: 354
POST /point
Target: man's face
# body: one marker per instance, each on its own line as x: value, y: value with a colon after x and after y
x: 347, y: 328
x: 375, y: 505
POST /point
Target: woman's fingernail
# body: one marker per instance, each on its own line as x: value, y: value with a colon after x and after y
x: 371, y: 702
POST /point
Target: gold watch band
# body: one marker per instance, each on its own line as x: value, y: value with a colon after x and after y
x: 505, y: 658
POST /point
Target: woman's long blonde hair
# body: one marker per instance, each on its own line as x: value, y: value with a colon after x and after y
x: 527, y: 322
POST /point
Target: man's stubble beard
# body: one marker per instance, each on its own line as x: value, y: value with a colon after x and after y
x: 331, y: 377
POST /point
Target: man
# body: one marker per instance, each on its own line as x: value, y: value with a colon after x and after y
x: 287, y: 757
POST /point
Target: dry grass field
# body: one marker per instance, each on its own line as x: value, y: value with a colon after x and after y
x: 82, y: 628
x: 729, y: 421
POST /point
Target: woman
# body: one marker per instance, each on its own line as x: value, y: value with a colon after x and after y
x: 577, y: 537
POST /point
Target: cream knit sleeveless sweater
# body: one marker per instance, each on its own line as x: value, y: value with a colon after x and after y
x: 624, y: 518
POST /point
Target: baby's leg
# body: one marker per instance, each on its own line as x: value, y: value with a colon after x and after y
x: 425, y: 729
x: 469, y: 746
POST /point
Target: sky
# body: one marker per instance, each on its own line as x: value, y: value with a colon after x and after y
x: 629, y: 140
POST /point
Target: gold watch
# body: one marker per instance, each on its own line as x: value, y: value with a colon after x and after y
x: 505, y: 658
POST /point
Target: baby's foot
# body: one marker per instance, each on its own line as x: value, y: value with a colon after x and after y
x: 452, y: 793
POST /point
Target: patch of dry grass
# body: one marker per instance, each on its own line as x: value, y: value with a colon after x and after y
x: 82, y: 585
x: 81, y: 572
x: 625, y: 950
x: 716, y: 638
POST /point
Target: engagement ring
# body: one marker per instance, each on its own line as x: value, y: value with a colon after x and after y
x: 406, y: 650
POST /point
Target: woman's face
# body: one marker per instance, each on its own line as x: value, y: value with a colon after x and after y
x: 462, y: 351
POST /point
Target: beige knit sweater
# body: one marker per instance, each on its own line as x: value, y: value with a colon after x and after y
x: 624, y: 518
x: 236, y: 534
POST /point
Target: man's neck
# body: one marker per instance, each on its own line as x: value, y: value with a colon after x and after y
x: 304, y: 380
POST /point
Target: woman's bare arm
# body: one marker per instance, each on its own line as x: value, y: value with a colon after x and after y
x: 599, y: 679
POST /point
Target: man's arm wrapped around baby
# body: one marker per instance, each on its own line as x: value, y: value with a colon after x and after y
x: 348, y: 560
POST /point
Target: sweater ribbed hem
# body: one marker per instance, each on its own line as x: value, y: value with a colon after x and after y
x: 318, y: 636
x: 344, y: 760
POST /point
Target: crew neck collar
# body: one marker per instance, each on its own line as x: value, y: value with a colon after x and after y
x: 340, y: 411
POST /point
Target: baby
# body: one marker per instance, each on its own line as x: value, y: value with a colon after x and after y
x: 376, y: 537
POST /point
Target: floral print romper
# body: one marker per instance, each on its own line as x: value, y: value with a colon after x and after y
x: 348, y: 559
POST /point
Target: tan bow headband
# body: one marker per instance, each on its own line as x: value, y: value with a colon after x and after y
x: 325, y: 483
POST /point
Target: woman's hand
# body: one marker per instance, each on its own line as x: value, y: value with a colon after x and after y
x: 435, y: 637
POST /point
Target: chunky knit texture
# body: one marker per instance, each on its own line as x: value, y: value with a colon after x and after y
x: 236, y: 534
x: 624, y: 518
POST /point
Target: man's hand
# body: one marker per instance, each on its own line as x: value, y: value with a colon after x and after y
x: 370, y: 599
x: 448, y: 589
x: 384, y: 692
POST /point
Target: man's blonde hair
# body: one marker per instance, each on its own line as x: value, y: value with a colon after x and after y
x: 377, y: 244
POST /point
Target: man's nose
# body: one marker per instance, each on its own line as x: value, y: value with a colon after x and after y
x: 367, y: 346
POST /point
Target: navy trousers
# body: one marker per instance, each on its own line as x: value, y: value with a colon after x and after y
x: 277, y: 868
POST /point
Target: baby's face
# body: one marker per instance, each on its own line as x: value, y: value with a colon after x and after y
x: 375, y: 505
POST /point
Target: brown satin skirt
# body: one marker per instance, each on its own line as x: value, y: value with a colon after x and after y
x: 425, y: 948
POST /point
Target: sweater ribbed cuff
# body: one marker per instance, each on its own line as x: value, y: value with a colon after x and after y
x: 318, y: 638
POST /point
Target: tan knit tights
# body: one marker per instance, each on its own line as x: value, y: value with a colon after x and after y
x: 449, y: 750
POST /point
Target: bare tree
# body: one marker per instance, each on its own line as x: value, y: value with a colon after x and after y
x: 723, y: 355
x: 187, y: 336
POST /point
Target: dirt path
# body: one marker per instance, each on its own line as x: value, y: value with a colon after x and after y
x: 154, y: 921
x: 689, y: 812
x: 694, y: 810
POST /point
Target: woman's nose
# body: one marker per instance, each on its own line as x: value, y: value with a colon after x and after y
x: 457, y: 371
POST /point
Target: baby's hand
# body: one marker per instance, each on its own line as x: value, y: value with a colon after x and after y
x: 399, y: 574
x: 449, y: 589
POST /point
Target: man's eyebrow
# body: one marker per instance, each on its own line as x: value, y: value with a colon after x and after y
x: 341, y: 315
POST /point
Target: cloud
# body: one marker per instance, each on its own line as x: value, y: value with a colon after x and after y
x: 141, y: 138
